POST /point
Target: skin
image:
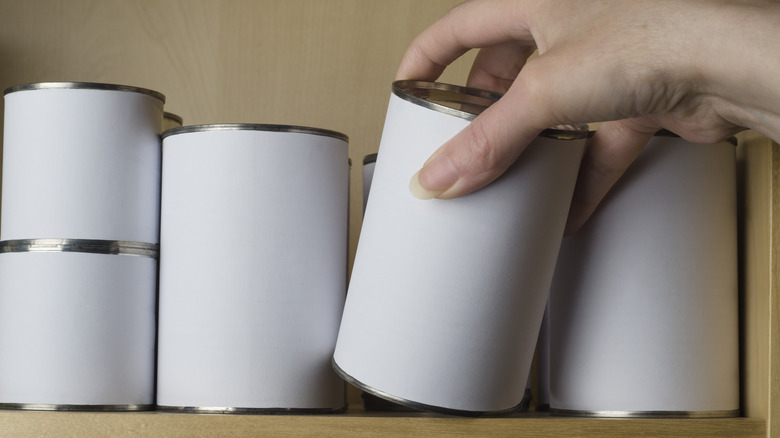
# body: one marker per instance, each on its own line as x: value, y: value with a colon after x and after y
x: 704, y: 69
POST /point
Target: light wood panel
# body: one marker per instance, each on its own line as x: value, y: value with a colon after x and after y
x: 773, y: 411
x: 759, y: 160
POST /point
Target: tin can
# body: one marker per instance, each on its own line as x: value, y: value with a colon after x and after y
x: 644, y: 307
x: 446, y: 296
x: 89, y: 152
x: 253, y: 272
x: 370, y: 401
x: 171, y: 120
x: 77, y: 325
x: 542, y: 401
x: 369, y: 162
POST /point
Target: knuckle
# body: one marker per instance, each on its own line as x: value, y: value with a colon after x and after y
x: 483, y: 155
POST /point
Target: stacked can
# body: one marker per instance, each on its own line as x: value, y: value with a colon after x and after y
x: 372, y: 402
x: 253, y: 269
x: 171, y: 120
x: 78, y: 257
x: 542, y: 378
x: 446, y: 297
x: 643, y: 308
x: 369, y: 163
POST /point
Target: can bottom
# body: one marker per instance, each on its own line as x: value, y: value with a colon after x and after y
x: 544, y: 407
x: 250, y: 411
x: 523, y: 405
x: 646, y: 414
x: 69, y: 407
x: 372, y: 402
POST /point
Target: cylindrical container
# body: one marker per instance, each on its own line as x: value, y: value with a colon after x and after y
x: 643, y: 311
x: 253, y: 270
x: 446, y: 296
x: 171, y: 120
x: 542, y: 400
x: 77, y: 324
x: 369, y: 162
x: 372, y: 402
x: 81, y: 160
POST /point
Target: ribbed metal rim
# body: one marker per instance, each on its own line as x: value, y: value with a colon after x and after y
x: 250, y: 411
x: 83, y: 86
x: 255, y: 127
x: 436, y: 95
x: 90, y: 246
x: 370, y: 158
x: 422, y: 406
x: 67, y: 407
x: 646, y: 414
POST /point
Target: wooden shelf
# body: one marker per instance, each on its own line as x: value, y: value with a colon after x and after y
x: 360, y: 424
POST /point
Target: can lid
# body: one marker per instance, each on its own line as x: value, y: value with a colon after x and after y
x: 467, y: 103
x: 83, y: 85
x: 175, y: 117
x: 464, y: 102
x: 255, y: 127
x: 91, y: 246
x: 370, y: 158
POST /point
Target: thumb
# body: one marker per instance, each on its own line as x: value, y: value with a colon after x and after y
x: 481, y: 152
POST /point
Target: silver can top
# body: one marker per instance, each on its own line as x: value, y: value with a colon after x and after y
x: 464, y: 102
x: 370, y: 158
x: 177, y: 119
x: 255, y: 127
x: 467, y: 103
x: 85, y: 86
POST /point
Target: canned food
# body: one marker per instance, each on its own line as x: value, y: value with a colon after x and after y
x: 253, y: 272
x: 171, y: 120
x: 644, y: 309
x: 447, y: 296
x: 77, y: 325
x: 88, y: 152
x: 369, y: 162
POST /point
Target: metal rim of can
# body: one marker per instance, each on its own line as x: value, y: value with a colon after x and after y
x: 646, y: 414
x: 83, y: 86
x: 422, y: 406
x: 245, y: 410
x: 255, y: 127
x: 175, y: 117
x: 370, y: 158
x: 76, y: 408
x: 89, y: 246
x: 448, y: 99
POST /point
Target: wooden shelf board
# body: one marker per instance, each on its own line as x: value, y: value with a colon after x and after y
x: 362, y: 424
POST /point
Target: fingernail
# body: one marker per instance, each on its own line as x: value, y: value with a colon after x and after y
x: 434, y: 178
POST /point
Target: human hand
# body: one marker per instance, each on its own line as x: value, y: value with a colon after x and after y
x: 701, y: 69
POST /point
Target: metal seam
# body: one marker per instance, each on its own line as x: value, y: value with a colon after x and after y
x: 84, y: 86
x: 88, y: 246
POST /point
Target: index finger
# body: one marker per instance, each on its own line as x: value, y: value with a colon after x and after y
x: 473, y: 24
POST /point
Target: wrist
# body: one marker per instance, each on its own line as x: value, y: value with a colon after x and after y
x: 739, y: 64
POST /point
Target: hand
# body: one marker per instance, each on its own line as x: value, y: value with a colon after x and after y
x: 702, y: 69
